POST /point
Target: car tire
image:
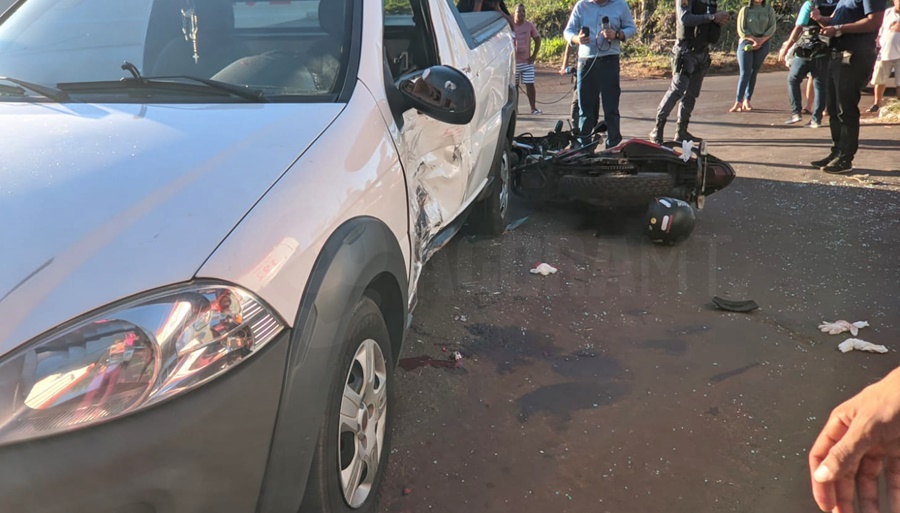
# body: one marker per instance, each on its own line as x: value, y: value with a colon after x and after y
x: 616, y: 186
x: 357, y: 424
x: 491, y: 215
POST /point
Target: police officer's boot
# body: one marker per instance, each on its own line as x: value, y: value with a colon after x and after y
x: 684, y: 135
x: 656, y: 135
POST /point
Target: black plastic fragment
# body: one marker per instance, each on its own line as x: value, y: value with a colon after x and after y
x: 735, y: 306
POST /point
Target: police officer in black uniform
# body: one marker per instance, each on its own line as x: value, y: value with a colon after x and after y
x: 699, y: 24
x: 852, y: 28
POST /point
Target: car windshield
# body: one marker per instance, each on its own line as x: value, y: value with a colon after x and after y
x: 290, y: 50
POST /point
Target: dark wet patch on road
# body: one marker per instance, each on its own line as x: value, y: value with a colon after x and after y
x: 714, y: 411
x: 563, y: 399
x: 718, y: 378
x: 509, y: 347
x: 673, y: 346
x: 584, y: 364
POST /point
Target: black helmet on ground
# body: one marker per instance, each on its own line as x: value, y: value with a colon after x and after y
x: 669, y: 220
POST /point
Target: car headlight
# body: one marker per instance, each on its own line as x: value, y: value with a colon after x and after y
x: 128, y: 357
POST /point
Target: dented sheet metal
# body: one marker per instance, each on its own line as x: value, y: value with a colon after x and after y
x: 447, y: 166
x: 438, y: 166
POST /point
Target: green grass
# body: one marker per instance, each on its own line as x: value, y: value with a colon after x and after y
x: 552, y: 49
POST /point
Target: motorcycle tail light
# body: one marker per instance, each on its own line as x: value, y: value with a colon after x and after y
x: 718, y: 176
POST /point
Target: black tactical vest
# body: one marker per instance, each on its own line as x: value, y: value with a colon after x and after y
x: 826, y: 7
x: 704, y: 34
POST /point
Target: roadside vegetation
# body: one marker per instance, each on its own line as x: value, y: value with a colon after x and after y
x: 649, y: 54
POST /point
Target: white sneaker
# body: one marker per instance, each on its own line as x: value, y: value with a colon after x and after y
x: 795, y: 118
x: 536, y: 112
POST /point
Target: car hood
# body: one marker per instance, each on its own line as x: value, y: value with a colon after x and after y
x: 102, y: 202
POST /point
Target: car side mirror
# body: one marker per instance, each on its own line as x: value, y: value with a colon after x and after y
x: 440, y: 92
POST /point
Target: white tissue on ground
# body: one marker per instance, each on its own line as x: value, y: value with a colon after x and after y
x: 860, y: 345
x: 836, y: 327
x: 544, y: 269
x: 687, y: 147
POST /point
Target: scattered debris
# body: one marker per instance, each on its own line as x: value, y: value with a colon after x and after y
x: 860, y: 345
x: 544, y: 269
x: 407, y: 491
x: 866, y: 180
x: 456, y: 356
x: 735, y: 306
x: 515, y: 224
x: 836, y: 327
x: 409, y: 364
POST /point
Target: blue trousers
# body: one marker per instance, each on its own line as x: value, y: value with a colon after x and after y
x: 599, y: 77
x: 750, y: 62
x: 818, y: 68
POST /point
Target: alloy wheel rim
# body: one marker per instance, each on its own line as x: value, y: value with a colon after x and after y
x: 504, y: 184
x: 362, y: 423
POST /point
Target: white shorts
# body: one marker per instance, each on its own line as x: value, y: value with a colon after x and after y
x: 524, y: 73
x: 882, y: 74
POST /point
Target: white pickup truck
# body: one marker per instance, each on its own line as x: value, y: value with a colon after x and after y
x: 215, y: 214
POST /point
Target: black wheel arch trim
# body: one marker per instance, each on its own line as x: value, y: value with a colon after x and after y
x: 362, y: 257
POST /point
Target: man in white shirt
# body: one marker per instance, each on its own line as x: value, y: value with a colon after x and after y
x: 889, y: 56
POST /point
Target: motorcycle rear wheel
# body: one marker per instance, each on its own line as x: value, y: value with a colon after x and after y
x: 616, y: 186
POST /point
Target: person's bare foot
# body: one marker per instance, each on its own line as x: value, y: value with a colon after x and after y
x: 746, y: 106
x: 736, y: 108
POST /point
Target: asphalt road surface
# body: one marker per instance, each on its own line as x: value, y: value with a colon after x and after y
x: 614, y: 386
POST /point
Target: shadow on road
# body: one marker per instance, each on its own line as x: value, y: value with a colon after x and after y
x: 806, y: 167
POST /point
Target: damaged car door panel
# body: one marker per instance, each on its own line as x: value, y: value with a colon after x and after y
x: 455, y: 79
x: 222, y: 239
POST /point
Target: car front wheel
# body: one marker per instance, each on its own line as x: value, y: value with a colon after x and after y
x: 353, y: 443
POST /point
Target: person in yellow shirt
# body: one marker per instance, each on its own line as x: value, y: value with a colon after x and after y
x: 755, y: 26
